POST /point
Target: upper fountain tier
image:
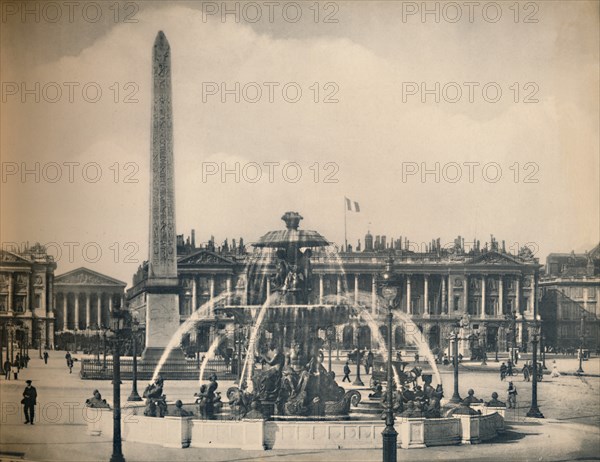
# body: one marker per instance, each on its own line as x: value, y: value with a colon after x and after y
x: 292, y: 235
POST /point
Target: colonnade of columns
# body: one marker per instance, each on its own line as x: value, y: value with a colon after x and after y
x: 72, y: 302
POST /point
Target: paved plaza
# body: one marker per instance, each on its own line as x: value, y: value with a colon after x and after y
x: 570, y: 431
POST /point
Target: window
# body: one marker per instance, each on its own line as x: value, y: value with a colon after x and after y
x: 456, y: 303
x: 3, y: 303
x: 37, y: 301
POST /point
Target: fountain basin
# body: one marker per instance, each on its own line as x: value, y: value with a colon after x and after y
x: 296, y: 433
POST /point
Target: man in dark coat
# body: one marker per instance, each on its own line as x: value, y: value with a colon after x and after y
x: 46, y: 357
x: 29, y: 401
x: 7, y: 366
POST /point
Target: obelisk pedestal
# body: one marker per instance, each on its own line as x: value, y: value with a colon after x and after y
x: 162, y: 286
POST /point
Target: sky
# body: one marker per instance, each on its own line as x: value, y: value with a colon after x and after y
x: 474, y: 124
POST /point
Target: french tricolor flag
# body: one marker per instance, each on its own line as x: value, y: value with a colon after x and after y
x: 352, y: 206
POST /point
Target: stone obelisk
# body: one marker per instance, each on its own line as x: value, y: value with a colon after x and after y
x: 162, y: 288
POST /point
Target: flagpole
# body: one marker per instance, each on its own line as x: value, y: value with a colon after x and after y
x: 345, y: 226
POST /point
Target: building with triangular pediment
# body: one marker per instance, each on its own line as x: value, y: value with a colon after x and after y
x: 85, y: 299
x: 27, y: 296
x: 490, y: 289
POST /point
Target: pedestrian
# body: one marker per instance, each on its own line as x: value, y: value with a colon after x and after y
x: 503, y: 371
x: 68, y: 359
x: 70, y: 364
x: 369, y: 360
x: 7, y: 368
x: 512, y: 396
x: 29, y: 402
x: 509, y: 370
x: 46, y: 357
x: 17, y: 361
x: 526, y: 373
x: 417, y: 358
x: 555, y: 372
x: 15, y: 370
x: 347, y: 372
x: 27, y: 358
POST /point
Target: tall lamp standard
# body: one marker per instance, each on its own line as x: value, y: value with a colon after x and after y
x: 581, y: 340
x: 357, y: 381
x: 454, y: 341
x: 389, y: 433
x: 134, y: 396
x: 118, y: 323
x: 2, y: 338
x: 484, y: 354
x: 330, y: 339
x: 534, y: 411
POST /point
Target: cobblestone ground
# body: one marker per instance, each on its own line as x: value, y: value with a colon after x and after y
x: 571, y: 430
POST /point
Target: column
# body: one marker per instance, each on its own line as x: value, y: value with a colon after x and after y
x: 10, y: 291
x: 65, y: 312
x: 426, y: 311
x: 356, y: 289
x: 110, y: 303
x: 268, y: 289
x: 76, y: 311
x: 408, y: 295
x: 212, y: 286
x: 87, y: 310
x: 373, y: 294
x: 483, y: 296
x: 444, y: 295
x: 99, y: 309
x: 518, y: 294
x: 228, y: 287
x: 338, y: 290
x: 321, y: 289
x: 532, y: 296
x: 500, y: 297
x: 466, y: 295
x: 194, y: 293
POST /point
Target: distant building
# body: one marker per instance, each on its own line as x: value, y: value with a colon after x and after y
x: 27, y: 295
x: 85, y: 299
x: 570, y: 287
x: 487, y: 289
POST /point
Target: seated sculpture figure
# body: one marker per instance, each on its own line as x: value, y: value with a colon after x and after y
x: 179, y: 411
x: 377, y: 390
x: 470, y: 399
x: 495, y: 402
x: 156, y: 402
x: 96, y: 401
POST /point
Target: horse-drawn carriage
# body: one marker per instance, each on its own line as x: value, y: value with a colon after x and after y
x: 406, y: 377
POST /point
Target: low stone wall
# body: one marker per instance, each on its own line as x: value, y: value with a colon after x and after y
x: 288, y: 434
x: 242, y: 434
x: 323, y: 435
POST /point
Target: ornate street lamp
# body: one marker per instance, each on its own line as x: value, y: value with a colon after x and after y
x: 484, y: 347
x: 389, y: 434
x: 2, y: 338
x: 118, y: 322
x: 534, y: 411
x: 104, y: 332
x: 134, y: 396
x: 454, y: 342
x: 330, y: 339
x: 581, y: 340
x: 357, y: 381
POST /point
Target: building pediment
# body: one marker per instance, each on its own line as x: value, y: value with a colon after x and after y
x: 495, y: 258
x: 87, y: 277
x: 205, y: 257
x: 10, y: 257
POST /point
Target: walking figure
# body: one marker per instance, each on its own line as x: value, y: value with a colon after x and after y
x: 512, y: 396
x: 417, y: 358
x: 503, y: 371
x: 347, y: 372
x: 29, y: 402
x: 6, y: 367
x: 46, y: 357
x: 526, y: 373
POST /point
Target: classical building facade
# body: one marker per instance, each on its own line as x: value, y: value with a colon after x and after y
x: 85, y: 299
x: 570, y: 287
x: 487, y: 289
x: 26, y: 294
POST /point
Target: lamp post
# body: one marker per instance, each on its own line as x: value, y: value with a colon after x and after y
x: 484, y: 343
x: 2, y: 339
x: 513, y: 334
x: 104, y: 331
x: 330, y: 339
x: 581, y: 339
x: 357, y: 381
x: 40, y: 345
x: 134, y: 396
x: 389, y: 433
x: 454, y: 340
x: 533, y: 410
x: 118, y: 320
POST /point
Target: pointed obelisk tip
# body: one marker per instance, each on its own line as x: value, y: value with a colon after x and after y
x: 161, y: 40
